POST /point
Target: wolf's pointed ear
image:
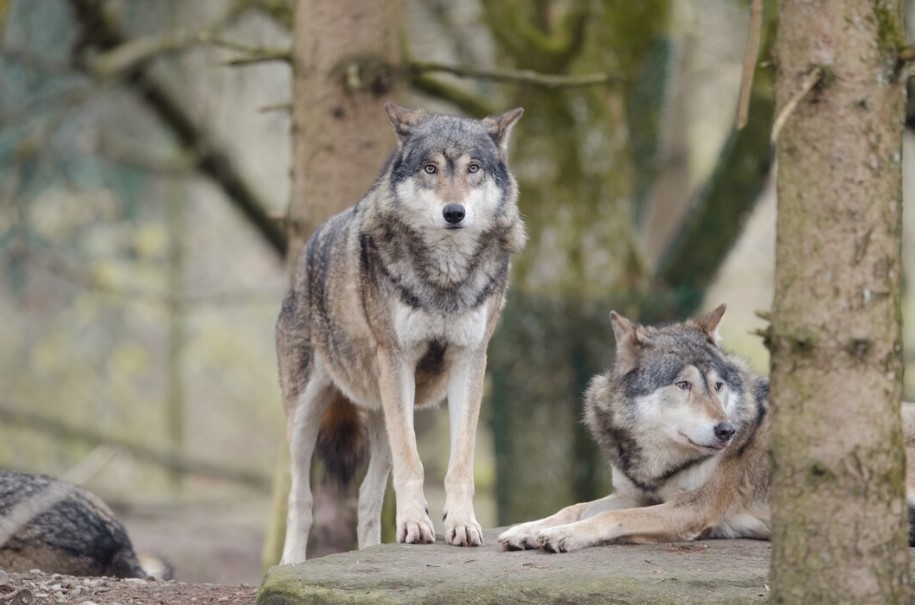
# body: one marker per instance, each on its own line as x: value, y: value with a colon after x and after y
x: 500, y: 126
x: 404, y: 119
x: 628, y: 342
x: 708, y: 323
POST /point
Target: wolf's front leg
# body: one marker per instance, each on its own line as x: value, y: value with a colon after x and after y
x: 398, y: 389
x: 525, y: 535
x: 465, y: 392
x: 668, y: 522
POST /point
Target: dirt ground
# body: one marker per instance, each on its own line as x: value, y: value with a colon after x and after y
x: 54, y: 589
x: 214, y: 548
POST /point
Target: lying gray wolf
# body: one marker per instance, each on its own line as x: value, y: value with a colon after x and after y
x: 391, y: 308
x: 686, y: 429
x: 62, y: 528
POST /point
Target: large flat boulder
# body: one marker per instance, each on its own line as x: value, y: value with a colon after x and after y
x: 706, y: 573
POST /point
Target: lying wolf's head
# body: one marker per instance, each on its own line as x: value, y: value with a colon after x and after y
x: 451, y: 172
x: 678, y: 382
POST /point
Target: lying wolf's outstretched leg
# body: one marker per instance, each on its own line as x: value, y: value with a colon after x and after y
x: 397, y: 384
x: 371, y: 492
x: 667, y: 522
x: 302, y: 422
x: 465, y: 391
x: 524, y: 536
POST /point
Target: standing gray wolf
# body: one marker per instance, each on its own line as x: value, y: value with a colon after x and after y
x: 62, y: 528
x: 391, y: 308
x: 686, y: 429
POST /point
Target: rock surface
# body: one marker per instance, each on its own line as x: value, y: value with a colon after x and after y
x: 707, y: 573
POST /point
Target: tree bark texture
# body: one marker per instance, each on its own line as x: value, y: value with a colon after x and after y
x: 838, y: 506
x: 572, y: 155
x: 346, y: 55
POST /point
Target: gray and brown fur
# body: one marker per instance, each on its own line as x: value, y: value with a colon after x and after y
x: 61, y: 528
x: 391, y: 307
x: 685, y: 427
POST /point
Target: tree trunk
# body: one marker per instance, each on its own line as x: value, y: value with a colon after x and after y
x: 573, y: 159
x: 838, y: 506
x: 346, y: 55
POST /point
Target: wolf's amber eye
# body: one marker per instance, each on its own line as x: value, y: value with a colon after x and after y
x: 683, y: 385
x: 718, y: 386
x: 430, y: 168
x: 474, y: 167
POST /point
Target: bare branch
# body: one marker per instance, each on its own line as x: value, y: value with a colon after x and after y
x: 262, y: 55
x: 749, y: 63
x: 466, y: 102
x: 815, y: 76
x: 54, y: 427
x: 102, y: 33
x: 520, y: 76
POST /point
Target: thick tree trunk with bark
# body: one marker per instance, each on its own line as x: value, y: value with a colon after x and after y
x: 346, y: 56
x: 839, y: 529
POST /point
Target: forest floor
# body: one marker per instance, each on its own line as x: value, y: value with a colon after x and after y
x: 36, y: 588
x: 213, y: 547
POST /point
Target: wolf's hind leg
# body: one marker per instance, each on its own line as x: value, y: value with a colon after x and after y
x: 302, y: 423
x: 371, y: 492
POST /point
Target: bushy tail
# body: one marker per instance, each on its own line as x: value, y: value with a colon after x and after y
x: 342, y: 439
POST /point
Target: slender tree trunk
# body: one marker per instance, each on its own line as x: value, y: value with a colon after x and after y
x: 174, y: 413
x: 839, y: 529
x: 345, y: 59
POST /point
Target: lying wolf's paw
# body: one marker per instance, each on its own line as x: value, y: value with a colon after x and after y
x: 463, y: 533
x: 559, y: 539
x: 520, y: 537
x: 419, y: 531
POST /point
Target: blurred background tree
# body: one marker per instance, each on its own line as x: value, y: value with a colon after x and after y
x: 145, y: 155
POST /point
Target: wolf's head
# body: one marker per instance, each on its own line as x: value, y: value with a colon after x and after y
x: 678, y: 383
x: 450, y: 173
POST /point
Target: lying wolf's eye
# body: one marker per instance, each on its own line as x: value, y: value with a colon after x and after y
x: 473, y: 167
x: 683, y: 385
x: 718, y: 386
x: 430, y: 168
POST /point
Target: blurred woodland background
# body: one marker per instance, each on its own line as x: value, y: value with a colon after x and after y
x: 145, y: 161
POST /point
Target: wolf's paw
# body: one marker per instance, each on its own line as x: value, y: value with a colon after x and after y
x: 415, y: 531
x: 463, y: 533
x: 520, y: 537
x: 558, y: 539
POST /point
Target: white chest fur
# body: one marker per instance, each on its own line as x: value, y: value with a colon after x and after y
x: 416, y: 327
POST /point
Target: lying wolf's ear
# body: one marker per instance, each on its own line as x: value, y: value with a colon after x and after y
x: 628, y: 342
x: 708, y: 323
x: 500, y: 126
x: 404, y: 119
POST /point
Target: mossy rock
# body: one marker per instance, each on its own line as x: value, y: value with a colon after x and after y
x: 706, y: 573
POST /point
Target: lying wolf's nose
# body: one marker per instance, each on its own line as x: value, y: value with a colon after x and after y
x: 724, y: 431
x: 453, y: 213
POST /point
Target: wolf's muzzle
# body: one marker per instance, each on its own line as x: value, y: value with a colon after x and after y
x: 724, y: 431
x: 453, y: 213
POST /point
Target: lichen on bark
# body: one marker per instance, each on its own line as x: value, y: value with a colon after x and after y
x: 839, y: 528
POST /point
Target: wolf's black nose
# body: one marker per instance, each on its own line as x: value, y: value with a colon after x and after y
x: 724, y: 431
x: 453, y: 213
